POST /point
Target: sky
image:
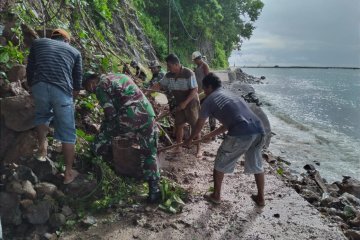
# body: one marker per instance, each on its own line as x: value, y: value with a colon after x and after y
x: 304, y: 33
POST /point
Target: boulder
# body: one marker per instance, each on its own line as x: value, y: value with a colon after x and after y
x: 22, y: 146
x: 43, y: 169
x: 17, y: 73
x: 10, y: 208
x: 18, y: 112
x: 352, y: 234
x: 80, y: 187
x: 45, y: 188
x: 25, y: 173
x: 350, y: 185
x: 57, y: 220
x: 38, y: 213
x: 28, y: 189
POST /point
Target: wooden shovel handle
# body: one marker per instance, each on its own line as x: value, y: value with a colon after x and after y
x: 178, y: 145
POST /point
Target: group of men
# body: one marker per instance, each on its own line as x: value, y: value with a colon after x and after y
x: 54, y: 73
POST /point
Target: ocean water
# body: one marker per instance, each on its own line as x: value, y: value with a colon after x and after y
x: 315, y: 114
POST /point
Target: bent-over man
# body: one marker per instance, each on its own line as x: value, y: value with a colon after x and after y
x: 245, y: 136
x: 127, y: 113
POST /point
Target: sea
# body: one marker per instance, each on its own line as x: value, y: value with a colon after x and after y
x: 315, y: 116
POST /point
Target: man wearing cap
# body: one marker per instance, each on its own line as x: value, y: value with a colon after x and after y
x: 54, y: 73
x: 128, y: 114
x: 157, y: 72
x: 201, y: 70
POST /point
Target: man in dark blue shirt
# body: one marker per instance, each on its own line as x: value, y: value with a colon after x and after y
x: 245, y: 136
x: 54, y: 73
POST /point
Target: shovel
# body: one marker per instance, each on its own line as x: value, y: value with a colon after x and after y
x: 180, y: 144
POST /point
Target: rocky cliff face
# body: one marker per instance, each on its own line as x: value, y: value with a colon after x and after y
x: 112, y: 39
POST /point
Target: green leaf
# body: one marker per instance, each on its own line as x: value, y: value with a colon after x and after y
x: 172, y: 210
x: 4, y: 57
x: 168, y: 203
x: 178, y: 199
x: 280, y: 171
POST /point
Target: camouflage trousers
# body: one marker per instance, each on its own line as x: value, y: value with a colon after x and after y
x: 146, y: 137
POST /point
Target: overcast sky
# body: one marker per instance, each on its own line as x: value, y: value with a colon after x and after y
x: 304, y: 32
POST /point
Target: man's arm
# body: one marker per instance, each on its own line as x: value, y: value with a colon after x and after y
x: 106, y: 103
x: 206, y: 69
x: 193, y: 93
x: 77, y: 75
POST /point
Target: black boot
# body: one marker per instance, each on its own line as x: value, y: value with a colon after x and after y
x: 154, y: 192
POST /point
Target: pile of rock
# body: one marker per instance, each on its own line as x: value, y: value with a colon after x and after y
x: 340, y: 201
x: 237, y: 75
x: 32, y: 198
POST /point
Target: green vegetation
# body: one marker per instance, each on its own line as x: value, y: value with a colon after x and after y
x: 214, y: 27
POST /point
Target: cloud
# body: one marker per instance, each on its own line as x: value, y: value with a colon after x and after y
x: 307, y: 32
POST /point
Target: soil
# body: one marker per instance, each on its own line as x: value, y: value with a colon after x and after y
x: 286, y: 214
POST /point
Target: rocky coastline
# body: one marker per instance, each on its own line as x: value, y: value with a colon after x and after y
x: 338, y: 201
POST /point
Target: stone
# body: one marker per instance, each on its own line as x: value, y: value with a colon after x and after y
x: 80, y: 187
x: 45, y: 188
x: 66, y: 210
x: 17, y: 73
x: 57, y: 220
x: 25, y: 203
x: 89, y: 220
x: 28, y: 189
x: 43, y: 169
x: 25, y: 173
x: 10, y: 208
x: 38, y: 213
x: 18, y: 112
x: 310, y: 196
x: 351, y: 198
x: 350, y: 185
x: 309, y: 167
x: 21, y: 146
x: 14, y: 187
x: 352, y: 234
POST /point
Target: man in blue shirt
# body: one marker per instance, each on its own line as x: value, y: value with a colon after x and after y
x: 245, y: 136
x: 54, y: 73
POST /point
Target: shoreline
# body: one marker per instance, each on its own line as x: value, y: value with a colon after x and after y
x: 310, y: 185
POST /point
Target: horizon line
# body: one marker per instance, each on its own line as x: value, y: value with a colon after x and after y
x: 295, y: 66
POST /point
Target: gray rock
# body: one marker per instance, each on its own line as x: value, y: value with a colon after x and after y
x: 350, y: 185
x: 89, y: 220
x: 66, y: 210
x: 38, y: 213
x: 17, y: 73
x: 81, y: 186
x: 26, y: 203
x: 43, y: 170
x: 57, y: 220
x: 350, y: 198
x: 14, y: 187
x: 45, y: 188
x: 352, y: 234
x: 25, y: 173
x: 28, y: 189
x: 10, y: 208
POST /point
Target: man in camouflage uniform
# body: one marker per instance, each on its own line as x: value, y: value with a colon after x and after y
x: 128, y: 113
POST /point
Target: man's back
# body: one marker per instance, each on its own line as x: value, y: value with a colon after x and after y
x: 131, y: 106
x: 55, y: 62
x: 232, y: 112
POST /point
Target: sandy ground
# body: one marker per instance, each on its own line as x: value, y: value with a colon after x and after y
x: 286, y: 216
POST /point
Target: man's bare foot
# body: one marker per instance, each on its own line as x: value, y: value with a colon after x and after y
x: 210, y: 197
x: 259, y: 202
x: 69, y: 178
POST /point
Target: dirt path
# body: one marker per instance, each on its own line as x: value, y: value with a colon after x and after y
x: 286, y: 215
